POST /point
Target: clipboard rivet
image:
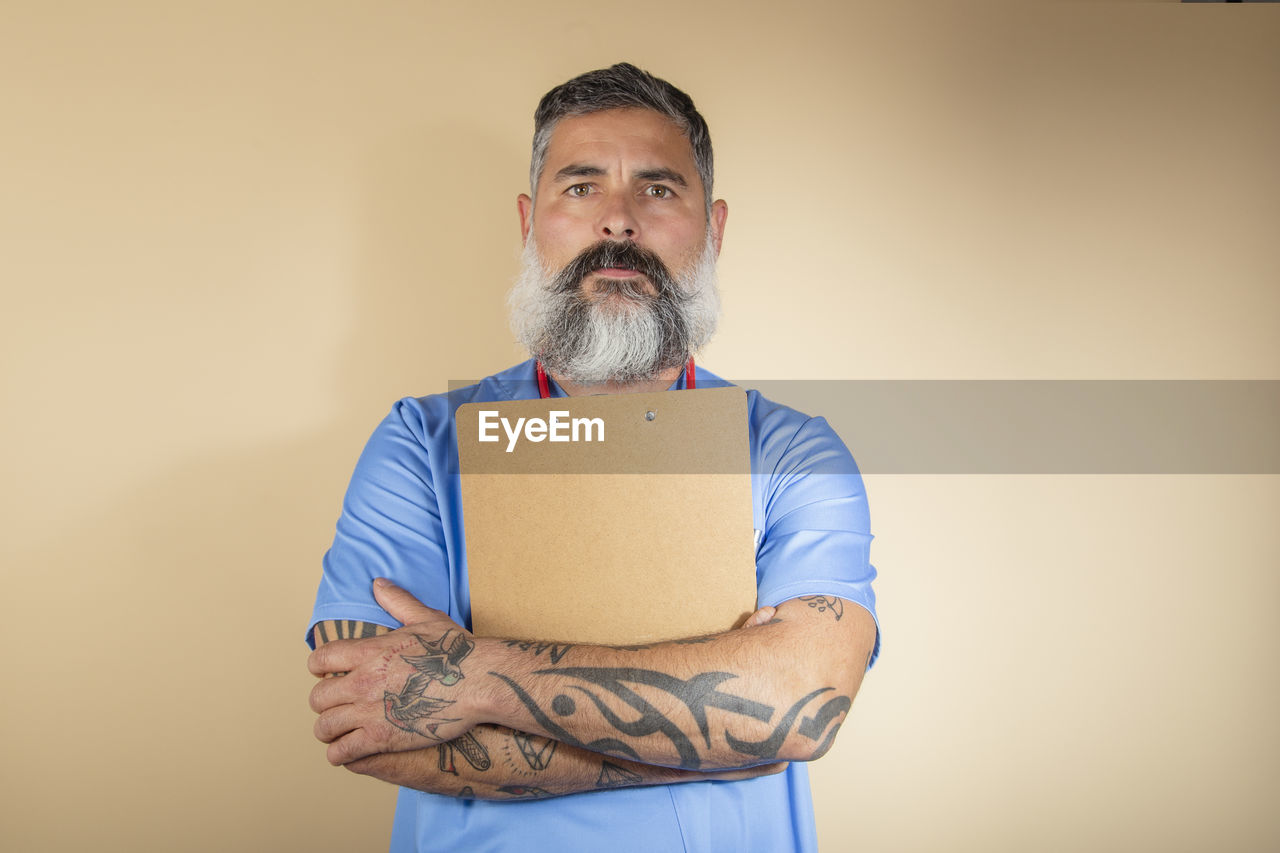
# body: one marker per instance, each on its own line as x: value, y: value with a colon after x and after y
x: 650, y: 415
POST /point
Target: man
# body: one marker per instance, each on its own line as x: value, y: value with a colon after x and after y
x: 507, y: 744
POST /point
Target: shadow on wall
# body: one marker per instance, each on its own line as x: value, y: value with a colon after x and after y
x: 174, y: 704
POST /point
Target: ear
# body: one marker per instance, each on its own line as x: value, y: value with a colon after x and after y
x: 719, y: 215
x: 524, y: 206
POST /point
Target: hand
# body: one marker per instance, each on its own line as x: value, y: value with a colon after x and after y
x: 399, y: 691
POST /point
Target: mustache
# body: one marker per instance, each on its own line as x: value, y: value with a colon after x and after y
x: 612, y: 253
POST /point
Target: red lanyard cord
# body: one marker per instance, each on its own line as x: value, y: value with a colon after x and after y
x: 544, y: 384
x: 544, y: 387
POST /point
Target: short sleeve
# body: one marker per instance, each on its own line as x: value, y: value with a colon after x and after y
x: 816, y: 534
x: 390, y: 527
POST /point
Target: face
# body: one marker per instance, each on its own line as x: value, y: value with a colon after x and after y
x: 618, y: 280
x: 625, y: 175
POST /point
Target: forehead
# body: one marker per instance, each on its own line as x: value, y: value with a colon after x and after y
x: 627, y: 139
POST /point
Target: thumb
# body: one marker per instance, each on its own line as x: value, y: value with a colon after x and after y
x: 399, y: 602
x: 760, y: 617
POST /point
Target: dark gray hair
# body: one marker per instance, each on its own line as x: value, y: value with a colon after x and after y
x: 621, y: 85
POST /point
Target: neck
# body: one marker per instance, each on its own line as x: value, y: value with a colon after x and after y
x: 661, y: 382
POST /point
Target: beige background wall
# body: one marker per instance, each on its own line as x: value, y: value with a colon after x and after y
x: 231, y: 234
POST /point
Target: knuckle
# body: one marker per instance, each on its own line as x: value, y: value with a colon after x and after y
x: 316, y: 660
x: 313, y: 698
x: 321, y: 730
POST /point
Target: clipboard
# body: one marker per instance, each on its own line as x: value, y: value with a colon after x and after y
x: 633, y: 529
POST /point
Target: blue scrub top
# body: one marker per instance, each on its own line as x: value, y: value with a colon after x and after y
x: 402, y: 519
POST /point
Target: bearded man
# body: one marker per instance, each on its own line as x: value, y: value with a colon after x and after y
x: 616, y: 295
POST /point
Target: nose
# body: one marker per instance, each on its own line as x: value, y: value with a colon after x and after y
x: 617, y: 220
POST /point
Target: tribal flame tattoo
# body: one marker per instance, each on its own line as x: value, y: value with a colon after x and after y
x: 615, y: 692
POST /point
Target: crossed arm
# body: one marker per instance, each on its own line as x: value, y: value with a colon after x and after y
x: 432, y: 707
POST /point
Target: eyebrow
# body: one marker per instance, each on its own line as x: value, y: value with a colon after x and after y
x: 671, y: 176
x: 582, y: 170
x: 578, y: 170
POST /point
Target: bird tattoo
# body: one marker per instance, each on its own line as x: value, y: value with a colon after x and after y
x: 410, y: 709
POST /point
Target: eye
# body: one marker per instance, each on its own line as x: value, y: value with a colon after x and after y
x: 579, y: 190
x: 658, y: 191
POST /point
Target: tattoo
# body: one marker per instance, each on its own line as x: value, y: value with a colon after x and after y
x: 768, y: 748
x: 467, y: 793
x: 564, y: 706
x: 821, y: 749
x: 347, y: 629
x: 825, y: 603
x: 472, y: 750
x: 525, y: 792
x: 613, y: 776
x: 813, y: 727
x: 537, y: 750
x: 555, y: 650
x: 697, y: 693
x: 412, y: 710
x: 606, y: 687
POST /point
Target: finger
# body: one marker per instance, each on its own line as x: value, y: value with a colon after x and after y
x: 760, y: 617
x: 342, y: 656
x: 332, y: 692
x: 352, y: 746
x: 335, y: 722
x: 324, y: 660
x: 401, y: 604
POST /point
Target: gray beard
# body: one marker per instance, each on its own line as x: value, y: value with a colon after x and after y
x: 620, y: 334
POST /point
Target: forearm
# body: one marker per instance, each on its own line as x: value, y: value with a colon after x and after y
x: 752, y: 696
x: 776, y: 692
x: 345, y: 629
x: 497, y: 763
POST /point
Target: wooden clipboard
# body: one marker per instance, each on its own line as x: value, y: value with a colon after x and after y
x: 638, y: 530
